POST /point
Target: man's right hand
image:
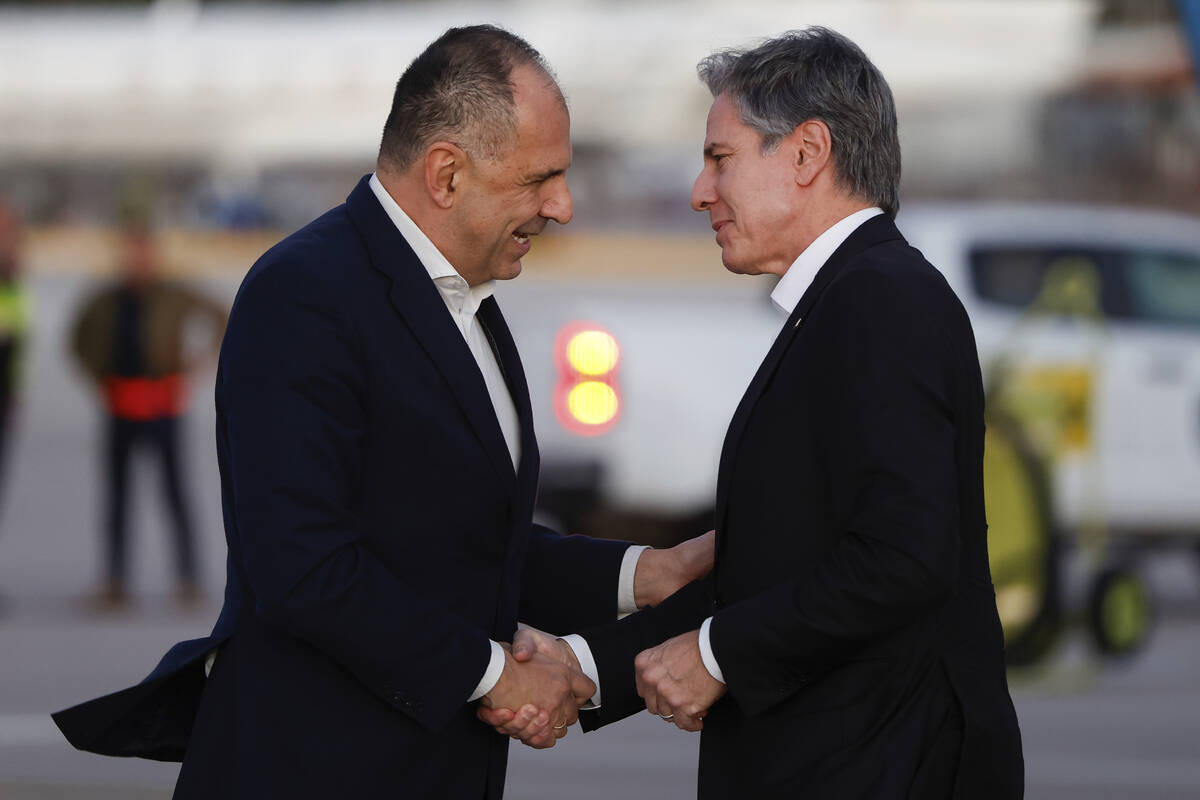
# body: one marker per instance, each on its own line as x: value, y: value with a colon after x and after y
x: 531, y: 723
x: 545, y: 691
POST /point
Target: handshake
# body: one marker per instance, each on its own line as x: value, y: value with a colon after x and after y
x: 542, y: 687
x: 540, y: 691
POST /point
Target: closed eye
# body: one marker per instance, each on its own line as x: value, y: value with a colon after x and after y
x: 542, y: 177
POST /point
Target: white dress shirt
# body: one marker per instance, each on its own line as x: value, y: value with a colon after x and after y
x: 787, y: 293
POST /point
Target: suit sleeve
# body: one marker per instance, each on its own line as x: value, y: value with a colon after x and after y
x: 569, y: 582
x: 890, y: 445
x: 616, y: 644
x: 291, y: 393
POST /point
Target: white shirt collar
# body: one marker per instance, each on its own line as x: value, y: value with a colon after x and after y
x: 453, y: 287
x: 800, y: 274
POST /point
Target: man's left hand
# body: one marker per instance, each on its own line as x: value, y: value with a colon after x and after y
x: 674, y: 682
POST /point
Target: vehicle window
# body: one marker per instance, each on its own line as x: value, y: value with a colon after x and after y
x: 1068, y: 280
x: 1164, y: 287
x: 1008, y: 277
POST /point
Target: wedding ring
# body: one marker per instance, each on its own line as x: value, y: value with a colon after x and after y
x: 668, y: 717
x: 559, y: 727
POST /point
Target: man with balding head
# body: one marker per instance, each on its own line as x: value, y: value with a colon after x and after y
x: 379, y: 468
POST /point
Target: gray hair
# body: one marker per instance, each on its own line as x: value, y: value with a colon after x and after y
x: 459, y: 89
x: 817, y: 74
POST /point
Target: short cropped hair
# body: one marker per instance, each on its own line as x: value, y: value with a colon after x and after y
x: 459, y: 90
x: 817, y: 74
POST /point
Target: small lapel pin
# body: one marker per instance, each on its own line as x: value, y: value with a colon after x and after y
x: 798, y: 321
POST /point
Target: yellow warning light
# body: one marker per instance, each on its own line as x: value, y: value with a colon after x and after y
x: 587, y: 400
x: 593, y: 352
x: 592, y: 402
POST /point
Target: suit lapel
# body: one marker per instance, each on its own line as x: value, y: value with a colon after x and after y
x: 878, y: 229
x: 417, y: 300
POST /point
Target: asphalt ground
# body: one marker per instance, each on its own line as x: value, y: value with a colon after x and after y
x: 1092, y: 729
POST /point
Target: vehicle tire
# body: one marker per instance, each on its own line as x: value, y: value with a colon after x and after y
x: 1023, y: 545
x: 1120, y: 612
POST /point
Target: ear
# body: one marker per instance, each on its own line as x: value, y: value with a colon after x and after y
x: 444, y: 172
x: 813, y: 147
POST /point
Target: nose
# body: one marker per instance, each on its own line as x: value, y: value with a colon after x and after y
x: 558, y: 205
x: 704, y: 192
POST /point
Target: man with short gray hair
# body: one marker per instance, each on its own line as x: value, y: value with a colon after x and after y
x: 847, y: 643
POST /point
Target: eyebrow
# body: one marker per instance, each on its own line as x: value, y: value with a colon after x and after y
x: 545, y: 176
x: 712, y: 146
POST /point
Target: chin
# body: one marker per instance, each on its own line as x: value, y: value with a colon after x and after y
x: 736, y: 267
x: 508, y: 272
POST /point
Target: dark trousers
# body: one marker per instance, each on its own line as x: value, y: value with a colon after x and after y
x: 162, y: 437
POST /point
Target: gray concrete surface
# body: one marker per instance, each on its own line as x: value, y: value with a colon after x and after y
x: 1091, y: 730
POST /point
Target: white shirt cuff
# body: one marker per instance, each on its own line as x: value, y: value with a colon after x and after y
x: 491, y: 675
x: 626, y: 601
x: 706, y: 653
x: 587, y: 664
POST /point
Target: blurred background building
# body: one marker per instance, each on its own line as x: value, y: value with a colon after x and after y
x: 233, y: 123
x: 247, y: 115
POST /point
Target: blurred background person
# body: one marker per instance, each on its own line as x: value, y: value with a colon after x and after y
x: 14, y: 323
x: 130, y: 339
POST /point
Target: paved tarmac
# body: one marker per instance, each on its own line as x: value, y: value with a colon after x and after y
x: 1091, y: 730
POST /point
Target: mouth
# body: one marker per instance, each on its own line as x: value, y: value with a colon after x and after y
x: 718, y: 226
x: 521, y: 240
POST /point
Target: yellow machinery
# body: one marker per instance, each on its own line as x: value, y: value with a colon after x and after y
x: 1039, y: 415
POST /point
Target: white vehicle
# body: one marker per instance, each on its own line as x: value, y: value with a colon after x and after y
x: 1088, y: 326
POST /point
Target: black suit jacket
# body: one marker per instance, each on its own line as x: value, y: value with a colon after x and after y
x: 378, y: 536
x: 854, y: 617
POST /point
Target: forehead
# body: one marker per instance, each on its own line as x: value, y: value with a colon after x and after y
x: 725, y: 124
x: 543, y: 130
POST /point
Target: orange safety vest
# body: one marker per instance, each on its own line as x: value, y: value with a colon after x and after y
x: 143, y: 399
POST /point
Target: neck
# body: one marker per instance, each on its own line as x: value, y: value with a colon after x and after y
x: 819, y: 216
x: 404, y: 188
x: 408, y: 190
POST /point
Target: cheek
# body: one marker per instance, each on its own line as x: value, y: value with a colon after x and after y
x: 527, y: 207
x: 725, y: 187
x: 772, y: 202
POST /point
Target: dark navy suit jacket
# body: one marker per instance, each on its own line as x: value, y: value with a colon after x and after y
x: 853, y: 612
x: 378, y: 537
